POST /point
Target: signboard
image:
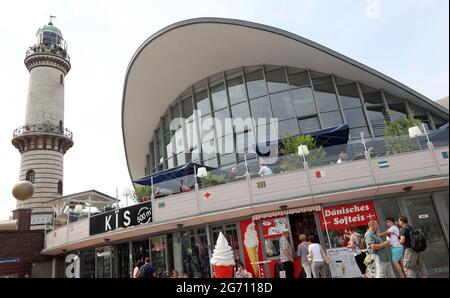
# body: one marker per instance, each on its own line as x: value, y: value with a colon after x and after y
x: 253, y: 257
x: 41, y: 218
x: 349, y: 215
x: 343, y: 263
x: 121, y: 218
x: 272, y: 227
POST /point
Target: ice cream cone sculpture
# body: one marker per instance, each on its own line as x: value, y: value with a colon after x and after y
x: 251, y: 245
x: 223, y: 259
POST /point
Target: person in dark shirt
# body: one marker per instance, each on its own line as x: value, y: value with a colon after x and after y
x: 412, y: 260
x: 147, y: 271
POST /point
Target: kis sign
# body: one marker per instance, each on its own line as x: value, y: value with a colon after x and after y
x: 121, y: 218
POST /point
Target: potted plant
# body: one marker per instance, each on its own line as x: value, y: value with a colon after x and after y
x: 142, y: 193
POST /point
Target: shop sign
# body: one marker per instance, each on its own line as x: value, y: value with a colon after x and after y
x: 445, y: 155
x: 252, y: 248
x: 207, y: 195
x: 121, y: 218
x: 41, y: 219
x: 272, y: 227
x: 383, y: 164
x: 8, y: 261
x: 344, y: 216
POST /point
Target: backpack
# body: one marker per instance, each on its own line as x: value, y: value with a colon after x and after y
x: 418, y: 240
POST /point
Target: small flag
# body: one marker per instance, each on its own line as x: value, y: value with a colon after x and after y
x: 320, y: 174
x: 207, y: 195
x: 445, y: 155
x: 261, y: 184
x: 383, y: 164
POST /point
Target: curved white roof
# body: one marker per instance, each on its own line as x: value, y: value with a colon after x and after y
x: 183, y: 53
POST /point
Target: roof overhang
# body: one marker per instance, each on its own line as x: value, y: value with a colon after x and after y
x: 179, y: 55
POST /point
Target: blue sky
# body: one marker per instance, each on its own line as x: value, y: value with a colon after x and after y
x: 405, y: 39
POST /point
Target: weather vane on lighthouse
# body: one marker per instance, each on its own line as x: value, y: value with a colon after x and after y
x: 51, y: 19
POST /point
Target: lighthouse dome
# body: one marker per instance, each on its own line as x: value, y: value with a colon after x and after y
x: 49, y: 34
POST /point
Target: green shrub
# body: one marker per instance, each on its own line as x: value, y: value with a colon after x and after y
x: 290, y: 159
x: 396, y: 136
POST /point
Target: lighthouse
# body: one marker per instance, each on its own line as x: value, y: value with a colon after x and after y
x: 43, y: 139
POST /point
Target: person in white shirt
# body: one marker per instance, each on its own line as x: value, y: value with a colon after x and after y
x: 264, y: 171
x: 393, y: 235
x: 318, y: 265
x: 342, y: 158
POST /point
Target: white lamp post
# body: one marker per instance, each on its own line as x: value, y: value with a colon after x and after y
x: 303, y: 151
x: 126, y: 192
x: 202, y: 172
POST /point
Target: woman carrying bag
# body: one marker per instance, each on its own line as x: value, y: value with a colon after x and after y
x: 319, y: 260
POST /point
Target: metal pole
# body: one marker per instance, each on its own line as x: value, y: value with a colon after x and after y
x: 153, y: 188
x: 326, y: 226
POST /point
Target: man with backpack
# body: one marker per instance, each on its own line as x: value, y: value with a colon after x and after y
x: 414, y: 243
x: 147, y: 270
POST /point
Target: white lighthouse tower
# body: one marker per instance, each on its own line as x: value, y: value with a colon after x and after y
x: 43, y: 140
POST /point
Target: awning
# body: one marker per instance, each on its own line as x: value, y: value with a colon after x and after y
x: 170, y: 174
x: 286, y: 212
x: 326, y: 137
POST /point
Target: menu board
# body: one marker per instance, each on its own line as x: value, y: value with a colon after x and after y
x: 343, y: 263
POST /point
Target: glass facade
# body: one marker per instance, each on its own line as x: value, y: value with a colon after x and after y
x: 302, y: 101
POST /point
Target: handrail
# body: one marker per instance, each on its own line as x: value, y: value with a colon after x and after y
x: 26, y: 129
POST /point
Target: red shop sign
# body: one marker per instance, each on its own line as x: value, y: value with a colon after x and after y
x: 350, y: 215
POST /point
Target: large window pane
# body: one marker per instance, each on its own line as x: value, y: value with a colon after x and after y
x: 244, y: 141
x: 187, y: 108
x: 203, y: 102
x: 438, y: 122
x: 355, y: 117
x: 299, y: 80
x: 287, y: 127
x: 349, y: 96
x: 227, y: 159
x: 396, y: 106
x: 240, y: 111
x: 303, y: 102
x: 256, y: 85
x: 276, y: 79
x: 221, y: 117
x: 326, y: 98
x: 175, y: 111
x: 226, y: 144
x: 355, y: 133
x: 281, y: 105
x: 219, y: 97
x: 377, y: 117
x: 236, y: 90
x: 331, y: 119
x: 208, y: 150
x: 308, y: 124
x: 260, y: 108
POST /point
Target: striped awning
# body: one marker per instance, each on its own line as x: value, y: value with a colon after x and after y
x: 286, y: 212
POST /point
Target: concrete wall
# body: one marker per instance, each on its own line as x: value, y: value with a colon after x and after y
x: 45, y: 96
x: 48, y: 168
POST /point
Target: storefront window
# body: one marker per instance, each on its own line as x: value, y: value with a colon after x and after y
x: 123, y: 260
x: 231, y: 233
x: 158, y: 255
x: 303, y: 223
x: 272, y: 228
x: 190, y: 250
x: 140, y: 251
x: 104, y: 262
x: 87, y: 263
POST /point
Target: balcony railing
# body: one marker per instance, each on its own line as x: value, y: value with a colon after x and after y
x: 42, y: 128
x: 47, y: 49
x: 365, y: 167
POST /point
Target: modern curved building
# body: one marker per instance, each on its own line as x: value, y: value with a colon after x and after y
x: 211, y: 68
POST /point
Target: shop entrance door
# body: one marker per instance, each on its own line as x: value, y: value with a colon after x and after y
x: 422, y: 215
x: 103, y: 262
x: 158, y: 255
